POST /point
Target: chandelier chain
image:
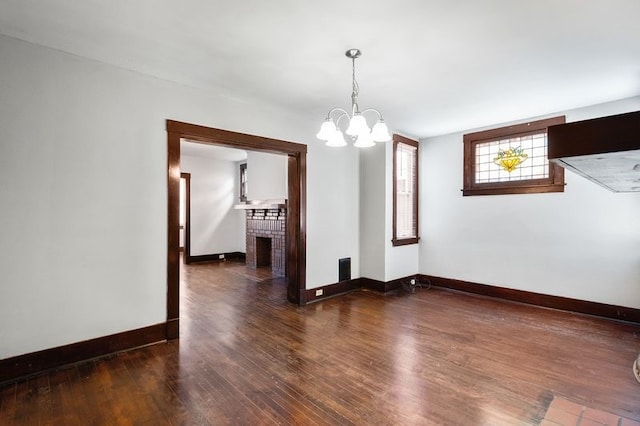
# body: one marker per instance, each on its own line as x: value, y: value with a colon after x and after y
x: 355, y: 88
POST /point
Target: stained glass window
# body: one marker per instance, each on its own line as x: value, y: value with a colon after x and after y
x: 511, y: 160
x: 492, y: 159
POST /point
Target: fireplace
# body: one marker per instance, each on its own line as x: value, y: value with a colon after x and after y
x: 266, y: 235
x: 263, y: 252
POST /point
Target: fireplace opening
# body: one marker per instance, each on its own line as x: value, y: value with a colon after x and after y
x: 263, y: 252
x: 266, y: 237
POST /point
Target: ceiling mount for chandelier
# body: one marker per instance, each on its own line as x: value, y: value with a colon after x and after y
x: 357, y: 128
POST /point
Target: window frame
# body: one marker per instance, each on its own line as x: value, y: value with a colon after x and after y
x: 243, y: 183
x: 395, y: 241
x: 554, y: 183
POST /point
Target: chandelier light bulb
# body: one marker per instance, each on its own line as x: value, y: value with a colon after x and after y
x: 364, y: 141
x: 336, y: 139
x: 380, y: 132
x: 327, y: 130
x: 357, y: 125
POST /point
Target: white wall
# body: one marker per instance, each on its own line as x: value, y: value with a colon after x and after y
x: 380, y: 260
x: 373, y: 212
x: 83, y: 193
x: 335, y: 202
x: 214, y: 222
x: 400, y: 261
x: 583, y: 243
x: 266, y: 176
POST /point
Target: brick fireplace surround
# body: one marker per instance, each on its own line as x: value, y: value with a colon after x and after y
x: 270, y: 224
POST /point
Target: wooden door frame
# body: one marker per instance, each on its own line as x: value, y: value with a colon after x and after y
x: 186, y: 255
x: 296, y: 206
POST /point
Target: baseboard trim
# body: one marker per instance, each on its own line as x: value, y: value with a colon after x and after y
x: 621, y: 313
x: 332, y: 290
x: 173, y: 329
x: 385, y: 286
x: 22, y: 366
x: 235, y: 255
x: 347, y: 286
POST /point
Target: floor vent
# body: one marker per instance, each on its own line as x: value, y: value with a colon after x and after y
x: 344, y: 269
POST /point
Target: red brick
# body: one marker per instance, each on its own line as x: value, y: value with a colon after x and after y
x: 566, y: 405
x: 601, y: 417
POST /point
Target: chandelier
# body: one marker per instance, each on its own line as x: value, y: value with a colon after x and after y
x: 357, y: 128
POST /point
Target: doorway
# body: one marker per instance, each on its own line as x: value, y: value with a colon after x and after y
x: 185, y: 214
x: 296, y: 211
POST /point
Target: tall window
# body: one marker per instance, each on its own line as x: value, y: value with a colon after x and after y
x: 243, y: 182
x: 511, y: 160
x: 405, y: 191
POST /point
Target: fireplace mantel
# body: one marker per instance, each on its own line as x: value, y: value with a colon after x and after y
x: 262, y: 205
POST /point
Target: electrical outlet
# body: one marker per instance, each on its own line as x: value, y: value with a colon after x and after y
x: 319, y: 292
x: 221, y: 256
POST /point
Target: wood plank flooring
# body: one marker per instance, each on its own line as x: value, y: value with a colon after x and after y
x: 436, y: 357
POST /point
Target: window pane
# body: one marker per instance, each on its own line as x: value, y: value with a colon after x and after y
x: 500, y: 159
x: 406, y: 158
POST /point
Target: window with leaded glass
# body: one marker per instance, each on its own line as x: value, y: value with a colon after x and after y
x: 511, y: 160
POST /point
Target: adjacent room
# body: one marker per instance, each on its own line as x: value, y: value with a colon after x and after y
x: 251, y: 212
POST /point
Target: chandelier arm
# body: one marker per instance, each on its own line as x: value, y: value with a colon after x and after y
x: 342, y: 112
x: 374, y: 110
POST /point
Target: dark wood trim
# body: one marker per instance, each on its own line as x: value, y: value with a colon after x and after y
x: 173, y: 228
x: 544, y: 300
x: 520, y: 189
x: 21, y: 366
x: 236, y: 255
x: 348, y: 286
x: 521, y: 129
x: 405, y: 241
x: 371, y: 284
x: 385, y: 287
x: 234, y: 139
x: 296, y: 211
x: 332, y: 290
x: 596, y: 136
x: 173, y: 329
x: 395, y: 241
x: 297, y: 228
x: 187, y: 217
x: 555, y: 182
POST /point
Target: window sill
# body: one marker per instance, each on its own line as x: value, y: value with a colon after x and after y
x: 520, y: 189
x: 405, y: 241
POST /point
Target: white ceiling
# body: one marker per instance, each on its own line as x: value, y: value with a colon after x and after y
x: 431, y: 67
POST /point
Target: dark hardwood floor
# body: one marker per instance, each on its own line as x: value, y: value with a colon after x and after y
x: 246, y: 356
